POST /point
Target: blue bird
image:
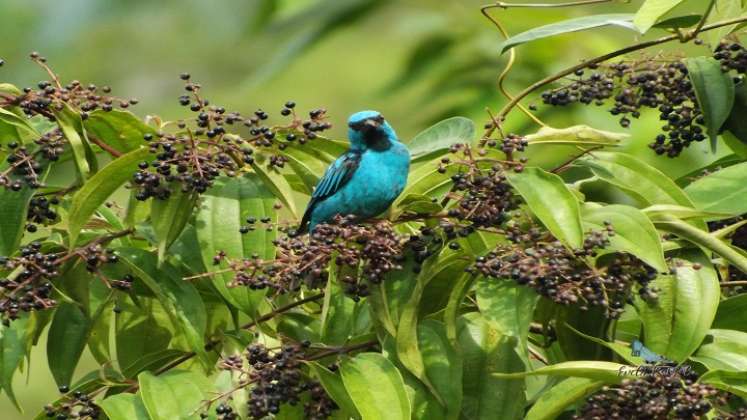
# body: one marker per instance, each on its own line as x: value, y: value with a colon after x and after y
x: 366, y: 179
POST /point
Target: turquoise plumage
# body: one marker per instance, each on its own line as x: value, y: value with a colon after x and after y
x: 366, y: 179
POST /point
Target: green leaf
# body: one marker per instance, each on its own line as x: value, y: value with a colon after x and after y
x: 407, y: 329
x: 736, y: 123
x: 634, y: 232
x: 18, y: 124
x: 68, y: 335
x: 484, y: 351
x: 635, y: 177
x: 598, y: 370
x: 338, y: 312
x: 732, y: 313
x: 142, y: 336
x: 734, y: 382
x: 675, y: 325
x: 376, y: 387
x: 97, y: 189
x: 442, y: 364
x: 726, y: 351
x: 174, y: 394
x: 676, y: 22
x: 560, y: 397
x: 440, y: 136
x: 715, y: 92
x: 71, y: 125
x: 656, y: 212
x: 223, y: 210
x: 552, y: 202
x: 13, y: 208
x: 577, y: 135
x: 179, y: 298
x: 651, y: 12
x: 169, y: 217
x: 722, y: 10
x: 278, y: 185
x: 13, y: 348
x: 124, y: 407
x: 120, y: 129
x: 332, y: 383
x: 638, y: 179
x: 419, y: 204
x: 624, y: 20
x: 702, y: 239
x: 722, y: 191
x: 425, y: 181
x: 507, y: 306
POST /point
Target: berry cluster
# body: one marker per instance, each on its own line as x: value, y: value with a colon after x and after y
x: 654, y: 396
x: 537, y: 260
x: 23, y: 169
x: 206, y: 146
x: 371, y: 251
x: 75, y: 406
x: 51, y: 96
x: 41, y: 212
x: 28, y: 285
x: 30, y: 289
x: 276, y: 378
x: 486, y: 197
x: 633, y: 85
x: 733, y: 57
x: 511, y: 143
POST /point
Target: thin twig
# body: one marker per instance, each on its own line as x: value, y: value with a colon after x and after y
x: 565, y: 164
x: 736, y: 283
x: 342, y: 350
x: 702, y: 21
x: 503, y: 5
x: 98, y: 142
x: 509, y: 65
x: 280, y: 310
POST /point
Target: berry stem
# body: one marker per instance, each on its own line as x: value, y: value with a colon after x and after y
x: 268, y: 316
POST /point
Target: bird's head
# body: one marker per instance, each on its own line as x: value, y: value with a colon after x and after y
x: 369, y: 130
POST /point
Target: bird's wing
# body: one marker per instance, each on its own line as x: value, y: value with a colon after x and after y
x: 336, y: 176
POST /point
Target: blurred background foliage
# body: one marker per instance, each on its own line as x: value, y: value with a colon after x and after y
x: 417, y: 61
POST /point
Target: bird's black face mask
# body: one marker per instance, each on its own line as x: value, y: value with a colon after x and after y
x: 372, y: 133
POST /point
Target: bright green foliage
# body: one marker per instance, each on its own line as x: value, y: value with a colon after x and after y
x: 513, y: 277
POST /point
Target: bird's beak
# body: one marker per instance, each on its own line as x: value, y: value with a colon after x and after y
x: 371, y: 123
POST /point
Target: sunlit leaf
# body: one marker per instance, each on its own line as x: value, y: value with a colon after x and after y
x: 651, y: 12
x: 97, y: 189
x: 726, y: 351
x: 440, y: 136
x: 723, y: 191
x: 551, y: 202
x: 119, y: 129
x: 624, y: 20
x: 173, y: 395
x: 676, y: 323
x: 634, y: 232
x: 376, y: 387
x: 223, y: 211
x: 124, y: 407
x: 71, y: 125
x: 560, y: 397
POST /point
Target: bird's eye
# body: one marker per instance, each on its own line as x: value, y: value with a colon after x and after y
x: 380, y: 118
